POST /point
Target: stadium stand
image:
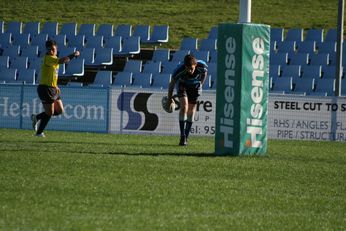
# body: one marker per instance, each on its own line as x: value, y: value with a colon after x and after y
x: 69, y: 29
x: 201, y: 55
x: 133, y: 66
x: 299, y: 59
x: 324, y: 87
x: 8, y: 75
x: 141, y: 80
x: 161, y: 55
x: 274, y: 71
x: 11, y: 51
x: 159, y: 34
x: 276, y: 34
x: 26, y: 76
x: 286, y: 46
x: 169, y: 66
x: 106, y: 30
x: 314, y: 35
x: 311, y: 72
x: 291, y: 71
x: 87, y: 29
x: 307, y: 47
x: 331, y: 35
x: 189, y: 44
x: 152, y: 67
x: 178, y: 56
x: 295, y: 34
x: 4, y: 62
x: 74, y: 68
x: 88, y: 54
x: 208, y: 44
x: 32, y: 28
x: 19, y: 62
x: 21, y: 39
x: 103, y: 56
x: 103, y: 78
x: 76, y: 41
x: 5, y: 39
x: 303, y: 86
x: 50, y: 28
x: 160, y: 80
x: 319, y: 59
x: 95, y: 41
x: 279, y: 59
x: 281, y: 85
x: 123, y: 30
x: 123, y: 79
x: 143, y: 32
x: 60, y: 39
x: 130, y: 46
x: 2, y: 25
x: 14, y: 27
x: 114, y: 42
x: 212, y: 34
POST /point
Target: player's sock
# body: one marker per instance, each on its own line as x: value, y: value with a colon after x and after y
x: 188, y: 128
x: 40, y: 116
x: 182, y: 127
x: 44, y: 121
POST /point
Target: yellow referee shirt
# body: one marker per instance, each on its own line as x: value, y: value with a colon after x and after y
x: 49, y: 71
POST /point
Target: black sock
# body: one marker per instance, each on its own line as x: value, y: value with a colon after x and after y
x: 43, y: 123
x: 40, y: 116
x: 182, y: 127
x: 188, y: 128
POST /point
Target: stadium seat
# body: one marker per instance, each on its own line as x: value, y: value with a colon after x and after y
x: 12, y: 51
x: 40, y: 41
x: 50, y: 28
x: 87, y: 29
x: 8, y: 75
x: 291, y: 71
x: 314, y: 35
x: 276, y: 34
x: 2, y: 27
x: 69, y: 29
x: 212, y: 34
x: 286, y: 46
x: 131, y: 46
x: 273, y: 47
x: 213, y: 56
x: 6, y: 39
x: 303, y: 86
x: 208, y: 44
x: 178, y: 56
x: 21, y: 39
x: 152, y: 67
x: 325, y: 87
x: 65, y: 51
x: 299, y: 59
x: 331, y: 35
x: 60, y: 40
x: 4, y: 62
x: 14, y: 27
x: 105, y: 30
x: 75, y: 67
x: 62, y: 69
x: 114, y: 42
x: 207, y: 83
x: 103, y: 56
x: 307, y: 47
x: 274, y: 71
x: 142, y: 80
x: 169, y: 67
x: 103, y: 78
x: 160, y: 80
x: 77, y: 41
x: 94, y: 41
x: 311, y: 72
x: 19, y: 62
x: 88, y: 54
x: 123, y: 79
x: 282, y: 85
x: 328, y: 72
x: 201, y: 55
x: 294, y: 34
x: 319, y: 59
x: 35, y: 63
x: 279, y: 59
x: 32, y: 28
x: 189, y: 44
x: 327, y: 47
x: 123, y: 30
x: 212, y: 70
x: 133, y: 65
x: 159, y: 34
x: 26, y: 76
x: 143, y: 32
x: 161, y: 55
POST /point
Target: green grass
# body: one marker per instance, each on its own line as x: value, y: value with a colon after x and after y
x: 86, y: 181
x: 185, y: 17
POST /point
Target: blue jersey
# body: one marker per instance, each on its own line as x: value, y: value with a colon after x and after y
x: 180, y: 74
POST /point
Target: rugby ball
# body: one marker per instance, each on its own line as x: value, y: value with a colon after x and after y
x: 168, y: 106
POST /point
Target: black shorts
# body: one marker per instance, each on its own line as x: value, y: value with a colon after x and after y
x: 191, y: 92
x: 47, y: 94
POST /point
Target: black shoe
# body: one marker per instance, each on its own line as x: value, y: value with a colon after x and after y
x: 183, y: 141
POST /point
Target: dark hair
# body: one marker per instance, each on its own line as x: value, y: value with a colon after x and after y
x: 50, y: 44
x: 190, y: 60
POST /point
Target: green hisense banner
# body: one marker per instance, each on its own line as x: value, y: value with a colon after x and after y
x: 242, y: 89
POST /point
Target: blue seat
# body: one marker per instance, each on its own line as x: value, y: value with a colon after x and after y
x: 159, y: 34
x: 213, y: 56
x: 12, y: 51
x: 69, y: 29
x: 19, y: 62
x: 130, y: 46
x: 40, y: 41
x: 161, y: 80
x: 331, y: 35
x: 114, y: 42
x: 328, y: 72
x: 4, y: 62
x: 179, y: 55
x: 133, y: 65
x: 286, y: 46
x: 103, y: 56
x: 6, y: 39
x: 324, y: 87
x: 21, y: 39
x: 143, y: 32
x: 26, y: 76
x: 152, y: 67
x: 169, y: 67
x: 327, y: 47
x: 299, y: 59
x: 201, y: 55
x: 207, y: 83
x: 307, y: 47
x: 65, y: 51
x: 311, y: 72
x: 291, y: 71
x: 94, y: 41
x: 161, y: 55
x: 123, y: 79
x: 103, y: 78
x: 75, y: 67
x: 62, y: 70
x: 76, y: 41
x: 282, y: 85
x: 279, y: 59
x: 303, y: 86
x: 294, y: 34
x: 8, y: 75
x: 2, y: 27
x: 14, y: 27
x: 87, y: 29
x: 274, y: 71
x: 212, y: 34
x: 35, y: 63
x: 314, y: 35
x: 208, y: 44
x: 319, y: 59
x: 123, y: 30
x: 276, y: 34
x: 60, y: 39
x: 88, y: 54
x: 212, y: 70
x: 50, y: 28
x: 142, y: 80
x: 189, y: 44
x: 105, y: 30
x: 32, y: 28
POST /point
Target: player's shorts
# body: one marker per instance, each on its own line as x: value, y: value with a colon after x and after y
x: 192, y: 92
x: 47, y: 94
